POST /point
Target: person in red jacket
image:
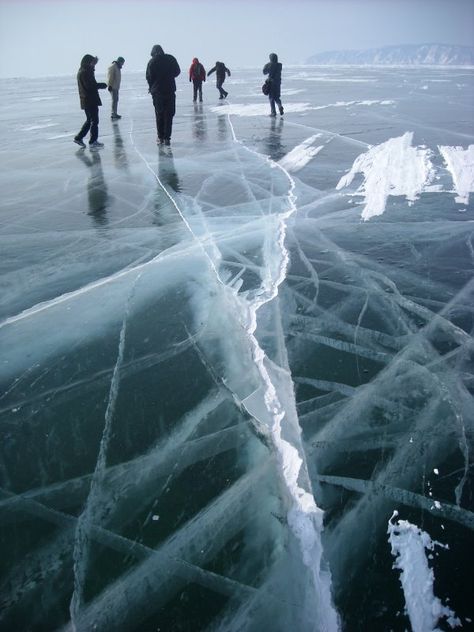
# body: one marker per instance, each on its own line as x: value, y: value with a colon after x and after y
x: 197, y: 75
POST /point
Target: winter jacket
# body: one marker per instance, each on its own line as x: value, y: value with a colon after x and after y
x: 88, y: 86
x: 220, y: 70
x: 114, y: 76
x: 196, y: 71
x: 273, y: 70
x: 161, y: 72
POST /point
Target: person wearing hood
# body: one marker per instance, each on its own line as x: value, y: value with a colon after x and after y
x: 220, y: 69
x: 273, y: 70
x: 114, y: 77
x: 90, y: 101
x: 197, y: 75
x: 161, y: 72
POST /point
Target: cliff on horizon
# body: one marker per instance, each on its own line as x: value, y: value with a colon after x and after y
x: 422, y: 54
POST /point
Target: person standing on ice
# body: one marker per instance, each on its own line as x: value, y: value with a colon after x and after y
x: 114, y: 77
x: 161, y: 72
x: 197, y: 75
x: 90, y: 101
x: 273, y: 70
x: 220, y: 69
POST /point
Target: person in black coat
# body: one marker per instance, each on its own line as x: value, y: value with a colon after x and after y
x: 160, y: 75
x: 273, y: 70
x: 90, y: 101
x: 220, y: 69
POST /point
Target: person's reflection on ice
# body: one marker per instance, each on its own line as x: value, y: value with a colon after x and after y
x: 222, y: 128
x: 199, y: 127
x: 120, y: 155
x: 168, y: 185
x: 97, y: 194
x: 166, y: 169
x: 273, y: 144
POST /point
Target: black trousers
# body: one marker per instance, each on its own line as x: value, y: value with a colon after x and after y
x: 92, y: 123
x: 165, y: 108
x: 197, y: 89
x: 219, y: 82
x: 274, y: 97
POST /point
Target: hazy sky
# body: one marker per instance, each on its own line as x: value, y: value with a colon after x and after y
x: 49, y: 37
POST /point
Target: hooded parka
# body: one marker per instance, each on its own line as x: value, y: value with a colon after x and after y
x: 88, y: 86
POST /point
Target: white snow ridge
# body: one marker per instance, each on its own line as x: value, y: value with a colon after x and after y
x: 392, y: 168
x: 408, y: 544
x: 300, y: 155
x: 460, y: 163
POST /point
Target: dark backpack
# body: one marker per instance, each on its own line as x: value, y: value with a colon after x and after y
x: 197, y: 72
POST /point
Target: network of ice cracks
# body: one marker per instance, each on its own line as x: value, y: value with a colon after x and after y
x: 219, y: 382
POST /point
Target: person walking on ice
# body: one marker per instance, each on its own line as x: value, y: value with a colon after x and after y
x: 221, y: 70
x: 273, y: 70
x: 90, y: 101
x: 160, y: 75
x: 114, y: 77
x: 197, y: 75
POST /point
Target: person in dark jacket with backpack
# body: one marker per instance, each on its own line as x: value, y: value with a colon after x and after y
x: 197, y: 75
x: 90, y: 101
x: 273, y: 70
x: 220, y: 70
x: 161, y: 72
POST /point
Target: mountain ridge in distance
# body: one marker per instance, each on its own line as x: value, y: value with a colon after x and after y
x: 405, y: 54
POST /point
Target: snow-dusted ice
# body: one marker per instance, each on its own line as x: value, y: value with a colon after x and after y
x: 409, y: 545
x: 226, y: 365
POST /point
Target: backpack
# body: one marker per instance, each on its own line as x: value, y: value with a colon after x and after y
x: 197, y: 72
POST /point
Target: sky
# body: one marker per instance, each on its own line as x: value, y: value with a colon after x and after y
x: 44, y: 38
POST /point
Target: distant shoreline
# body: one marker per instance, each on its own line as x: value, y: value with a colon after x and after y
x: 258, y: 68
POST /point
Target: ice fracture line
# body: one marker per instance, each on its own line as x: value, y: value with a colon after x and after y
x: 304, y: 517
x: 91, y: 510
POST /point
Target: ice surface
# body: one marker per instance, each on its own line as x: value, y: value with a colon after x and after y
x: 224, y: 366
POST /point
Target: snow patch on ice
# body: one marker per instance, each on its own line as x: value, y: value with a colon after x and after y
x: 408, y: 544
x: 291, y: 91
x: 68, y: 135
x: 39, y: 126
x: 460, y: 163
x: 342, y: 104
x: 300, y: 155
x: 257, y: 109
x: 392, y: 168
x: 261, y: 109
x: 339, y: 80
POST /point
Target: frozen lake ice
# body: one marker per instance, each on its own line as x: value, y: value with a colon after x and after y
x: 237, y: 376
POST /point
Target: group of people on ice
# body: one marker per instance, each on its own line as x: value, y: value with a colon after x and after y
x: 161, y: 72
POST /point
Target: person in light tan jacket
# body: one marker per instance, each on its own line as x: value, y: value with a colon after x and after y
x: 114, y: 77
